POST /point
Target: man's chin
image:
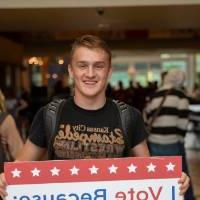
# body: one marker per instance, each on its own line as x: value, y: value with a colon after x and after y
x: 90, y: 94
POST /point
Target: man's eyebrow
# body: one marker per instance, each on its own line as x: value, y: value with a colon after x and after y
x: 99, y: 62
x: 96, y: 62
x: 82, y: 61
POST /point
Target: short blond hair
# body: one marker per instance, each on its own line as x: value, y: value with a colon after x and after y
x: 90, y: 42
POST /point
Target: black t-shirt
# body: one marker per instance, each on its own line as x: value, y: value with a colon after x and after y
x: 88, y: 133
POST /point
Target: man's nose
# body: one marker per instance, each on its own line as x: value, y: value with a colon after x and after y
x: 91, y: 71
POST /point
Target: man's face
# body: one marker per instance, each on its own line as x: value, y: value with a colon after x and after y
x: 90, y: 69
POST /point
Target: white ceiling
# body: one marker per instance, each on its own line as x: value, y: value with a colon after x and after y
x: 90, y: 3
x: 50, y: 25
x: 89, y: 19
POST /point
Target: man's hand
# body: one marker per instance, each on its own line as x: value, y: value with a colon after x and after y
x: 184, y: 182
x: 3, y: 185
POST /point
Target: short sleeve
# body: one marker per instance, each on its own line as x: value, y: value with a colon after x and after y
x: 37, y: 133
x: 139, y: 132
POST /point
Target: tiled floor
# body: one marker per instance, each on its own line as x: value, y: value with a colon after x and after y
x: 193, y: 157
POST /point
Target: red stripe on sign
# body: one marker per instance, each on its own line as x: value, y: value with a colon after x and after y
x: 92, y: 170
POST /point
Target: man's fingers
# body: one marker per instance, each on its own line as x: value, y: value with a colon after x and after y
x: 185, y: 182
x: 2, y: 180
x: 3, y: 185
x: 3, y: 193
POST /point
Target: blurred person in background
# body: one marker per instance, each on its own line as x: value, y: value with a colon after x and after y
x: 195, y: 96
x: 61, y: 91
x: 10, y: 140
x: 166, y: 116
x: 120, y: 92
x: 23, y: 113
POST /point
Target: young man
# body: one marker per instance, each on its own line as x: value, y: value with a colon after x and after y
x: 89, y: 124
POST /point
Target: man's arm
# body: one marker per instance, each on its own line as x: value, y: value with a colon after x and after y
x: 31, y: 152
x: 141, y: 150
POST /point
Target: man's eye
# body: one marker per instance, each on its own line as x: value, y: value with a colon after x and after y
x: 99, y: 66
x: 82, y: 66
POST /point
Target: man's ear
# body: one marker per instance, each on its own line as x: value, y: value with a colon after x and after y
x: 69, y: 68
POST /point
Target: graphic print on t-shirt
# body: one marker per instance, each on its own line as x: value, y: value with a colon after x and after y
x: 81, y: 141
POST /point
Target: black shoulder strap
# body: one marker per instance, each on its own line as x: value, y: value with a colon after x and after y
x: 52, y: 115
x: 125, y: 116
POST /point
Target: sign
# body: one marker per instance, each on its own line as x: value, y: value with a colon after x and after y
x: 153, y: 178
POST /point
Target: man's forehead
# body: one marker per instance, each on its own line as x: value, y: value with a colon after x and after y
x: 88, y: 55
x: 91, y: 61
x: 85, y: 50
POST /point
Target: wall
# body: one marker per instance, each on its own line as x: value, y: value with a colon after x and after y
x: 10, y: 52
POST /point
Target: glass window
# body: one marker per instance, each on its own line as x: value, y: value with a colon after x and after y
x: 174, y: 64
x: 198, y: 63
x: 120, y: 76
x: 36, y: 76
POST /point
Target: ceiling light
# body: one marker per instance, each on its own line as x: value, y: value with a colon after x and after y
x: 60, y: 61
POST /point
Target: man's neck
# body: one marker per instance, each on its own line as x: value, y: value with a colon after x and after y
x: 94, y: 103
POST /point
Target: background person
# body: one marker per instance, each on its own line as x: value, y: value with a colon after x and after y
x: 166, y: 115
x: 10, y: 140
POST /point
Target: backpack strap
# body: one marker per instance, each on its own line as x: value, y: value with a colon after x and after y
x: 125, y: 114
x: 51, y: 117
